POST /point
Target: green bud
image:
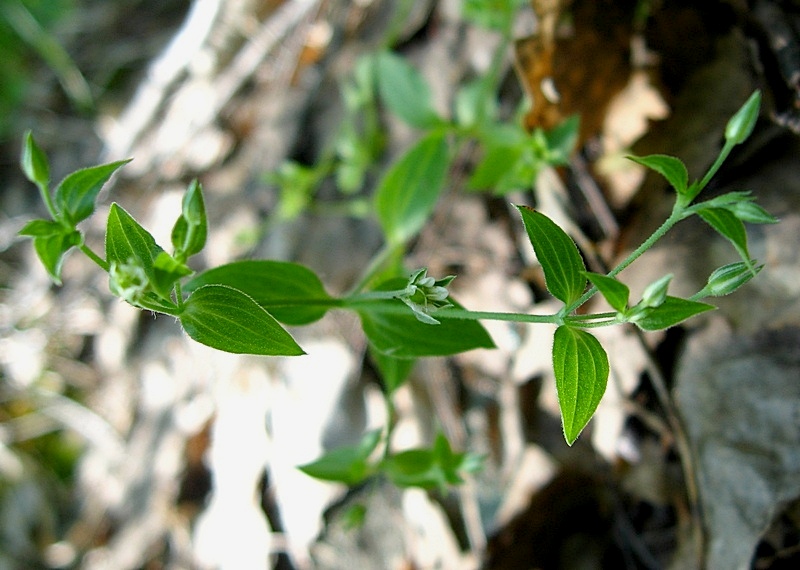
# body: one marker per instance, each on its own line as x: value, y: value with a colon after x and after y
x: 424, y: 294
x: 741, y: 124
x: 728, y: 279
x: 34, y: 162
x: 656, y: 293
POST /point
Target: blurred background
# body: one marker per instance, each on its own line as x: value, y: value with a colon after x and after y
x: 123, y: 444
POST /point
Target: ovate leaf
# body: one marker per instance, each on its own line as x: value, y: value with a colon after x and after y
x: 226, y: 319
x: 291, y: 293
x: 127, y: 240
x: 75, y: 197
x: 581, y: 370
x: 561, y: 262
x: 42, y: 228
x: 671, y: 312
x: 191, y: 227
x: 405, y: 91
x: 614, y: 291
x: 751, y: 213
x: 392, y: 329
x: 408, y: 192
x: 348, y: 465
x: 51, y: 250
x: 667, y: 166
x: 730, y: 227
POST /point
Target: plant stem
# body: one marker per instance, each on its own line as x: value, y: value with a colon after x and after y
x: 726, y: 150
x: 675, y: 217
x: 94, y: 257
x: 463, y: 314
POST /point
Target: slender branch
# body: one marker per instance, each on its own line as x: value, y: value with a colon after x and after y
x: 674, y: 218
x: 94, y: 257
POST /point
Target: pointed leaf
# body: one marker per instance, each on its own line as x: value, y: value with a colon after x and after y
x: 496, y: 165
x: 410, y: 189
x: 414, y: 468
x: 672, y: 311
x: 392, y: 329
x: 75, y: 196
x: 226, y: 319
x: 191, y: 227
x: 290, y: 292
x: 730, y: 227
x: 167, y: 270
x: 751, y: 213
x: 561, y: 140
x: 346, y: 465
x: 41, y: 228
x: 127, y: 240
x: 34, y: 162
x: 51, y: 250
x: 667, y: 166
x: 581, y: 370
x: 614, y: 291
x: 405, y: 91
x: 561, y: 262
x: 394, y: 371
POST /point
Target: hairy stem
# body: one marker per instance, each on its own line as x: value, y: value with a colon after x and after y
x: 94, y: 257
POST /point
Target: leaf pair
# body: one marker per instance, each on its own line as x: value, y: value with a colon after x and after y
x: 435, y: 467
x: 72, y: 202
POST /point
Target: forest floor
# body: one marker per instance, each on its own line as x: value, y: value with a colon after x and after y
x: 123, y: 444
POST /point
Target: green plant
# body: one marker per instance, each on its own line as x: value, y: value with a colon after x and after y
x: 241, y: 307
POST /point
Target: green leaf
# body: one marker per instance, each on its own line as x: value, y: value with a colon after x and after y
x: 166, y: 271
x: 51, y: 250
x: 751, y: 213
x: 581, y: 370
x: 394, y: 371
x: 667, y: 166
x: 191, y: 228
x: 561, y: 140
x: 434, y: 467
x: 414, y: 468
x: 392, y: 329
x: 129, y: 244
x: 75, y: 196
x: 405, y: 91
x: 729, y: 227
x: 291, y: 293
x: 42, y: 228
x: 742, y: 123
x: 408, y: 192
x: 561, y: 262
x: 475, y: 103
x: 348, y: 465
x: 613, y: 290
x: 671, y: 312
x: 226, y: 319
x: 495, y: 166
x: 34, y: 162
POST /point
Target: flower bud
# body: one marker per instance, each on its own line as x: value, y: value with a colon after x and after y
x: 741, y: 124
x: 656, y: 293
x: 729, y: 278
